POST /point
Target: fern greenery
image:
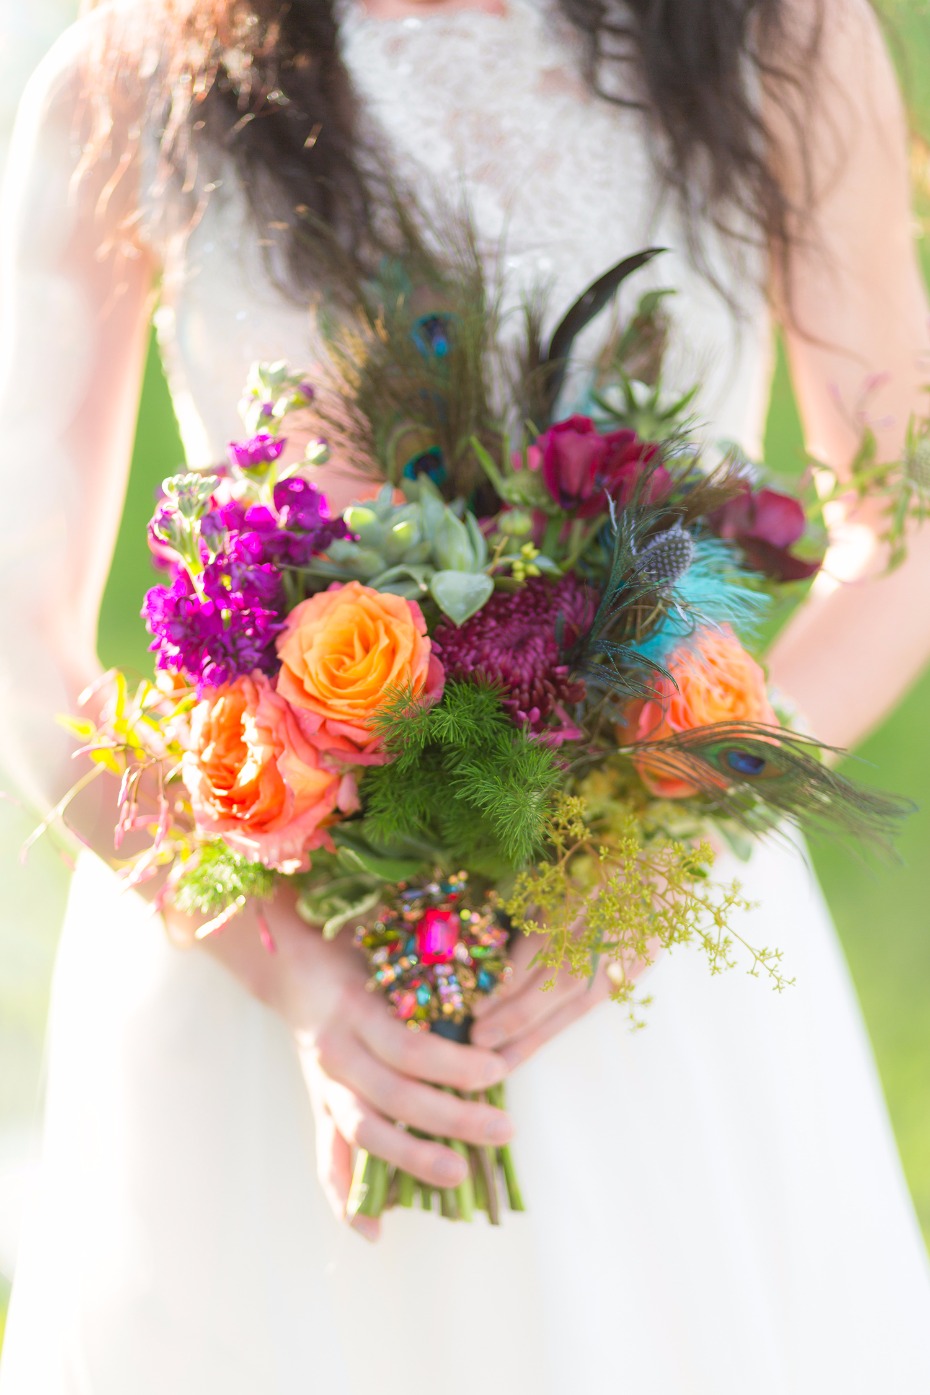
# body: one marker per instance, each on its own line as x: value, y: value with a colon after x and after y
x: 463, y: 778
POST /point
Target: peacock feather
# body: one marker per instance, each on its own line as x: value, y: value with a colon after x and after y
x: 419, y: 369
x: 749, y: 772
x: 630, y: 607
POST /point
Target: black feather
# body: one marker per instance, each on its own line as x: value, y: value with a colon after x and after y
x: 581, y: 313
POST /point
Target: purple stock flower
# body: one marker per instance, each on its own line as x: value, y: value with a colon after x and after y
x: 228, y: 626
x: 259, y: 450
x: 296, y: 530
x: 227, y: 630
x: 306, y: 527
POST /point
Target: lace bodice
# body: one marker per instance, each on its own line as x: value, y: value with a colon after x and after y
x: 560, y: 185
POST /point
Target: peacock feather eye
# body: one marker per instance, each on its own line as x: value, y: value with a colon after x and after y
x: 745, y: 763
x: 408, y: 442
x: 429, y: 462
x: 432, y: 335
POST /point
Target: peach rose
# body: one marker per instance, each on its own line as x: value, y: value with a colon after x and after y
x: 717, y: 682
x: 256, y: 780
x: 340, y: 653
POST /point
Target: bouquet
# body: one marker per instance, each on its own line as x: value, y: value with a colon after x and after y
x: 510, y: 691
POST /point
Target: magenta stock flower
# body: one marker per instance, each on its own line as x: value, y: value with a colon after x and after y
x: 258, y: 451
x: 582, y: 468
x: 223, y: 630
x: 304, y: 521
x: 298, y: 528
x: 521, y: 641
x: 227, y: 624
x: 765, y: 525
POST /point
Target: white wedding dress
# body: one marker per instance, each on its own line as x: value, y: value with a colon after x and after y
x: 715, y: 1205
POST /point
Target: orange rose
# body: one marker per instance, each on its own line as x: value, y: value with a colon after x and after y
x: 343, y: 649
x: 717, y: 682
x: 255, y: 779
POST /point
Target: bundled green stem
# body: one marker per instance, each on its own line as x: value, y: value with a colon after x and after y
x: 377, y: 1186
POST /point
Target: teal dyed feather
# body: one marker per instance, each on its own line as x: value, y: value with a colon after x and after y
x: 748, y: 772
x: 711, y: 593
x: 605, y: 653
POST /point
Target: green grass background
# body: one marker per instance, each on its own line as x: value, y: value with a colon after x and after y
x: 882, y: 914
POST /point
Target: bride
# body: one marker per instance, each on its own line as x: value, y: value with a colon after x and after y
x: 714, y: 1204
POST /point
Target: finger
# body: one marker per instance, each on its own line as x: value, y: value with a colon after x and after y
x: 333, y: 1162
x: 514, y: 1017
x: 334, y: 1168
x: 420, y: 1106
x: 424, y: 1056
x: 364, y: 1127
x: 520, y: 959
x: 523, y: 1047
x: 531, y: 980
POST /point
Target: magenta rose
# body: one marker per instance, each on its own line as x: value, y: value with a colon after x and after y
x: 582, y: 467
x: 765, y: 525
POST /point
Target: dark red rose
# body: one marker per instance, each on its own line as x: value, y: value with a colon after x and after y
x: 582, y: 467
x: 765, y: 525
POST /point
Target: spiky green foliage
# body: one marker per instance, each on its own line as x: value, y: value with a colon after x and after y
x: 218, y: 879
x: 462, y: 777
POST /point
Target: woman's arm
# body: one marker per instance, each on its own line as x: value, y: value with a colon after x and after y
x: 74, y: 297
x: 74, y: 324
x: 860, y: 309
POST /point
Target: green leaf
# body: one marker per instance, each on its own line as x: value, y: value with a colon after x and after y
x: 341, y: 900
x: 412, y: 578
x: 452, y: 545
x: 356, y: 853
x: 460, y: 594
x: 365, y: 523
x: 479, y: 544
x: 432, y: 504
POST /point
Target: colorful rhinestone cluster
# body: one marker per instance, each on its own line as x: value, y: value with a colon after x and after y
x: 432, y: 954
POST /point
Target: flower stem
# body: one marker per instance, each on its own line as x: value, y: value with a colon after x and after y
x: 514, y: 1196
x: 406, y: 1189
x: 465, y: 1191
x: 368, y: 1192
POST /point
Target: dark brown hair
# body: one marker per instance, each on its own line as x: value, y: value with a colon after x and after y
x: 263, y: 79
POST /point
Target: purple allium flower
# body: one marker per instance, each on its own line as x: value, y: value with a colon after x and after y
x: 227, y: 630
x: 520, y: 641
x: 259, y: 450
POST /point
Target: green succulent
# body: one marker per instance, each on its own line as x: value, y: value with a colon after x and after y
x: 420, y: 547
x: 646, y: 408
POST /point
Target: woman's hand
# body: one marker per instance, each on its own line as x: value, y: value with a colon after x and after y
x: 522, y: 1016
x: 366, y: 1072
